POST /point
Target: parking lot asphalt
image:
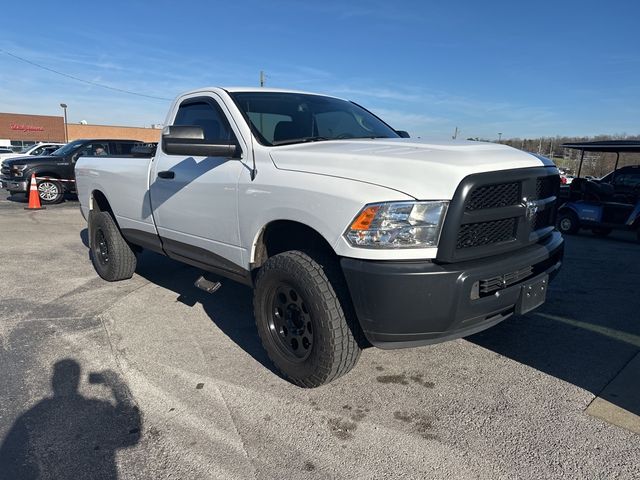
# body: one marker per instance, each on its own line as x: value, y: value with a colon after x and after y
x: 152, y: 378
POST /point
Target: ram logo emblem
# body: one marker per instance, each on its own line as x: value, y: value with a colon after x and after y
x: 531, y: 207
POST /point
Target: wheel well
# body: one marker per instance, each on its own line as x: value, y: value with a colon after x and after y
x: 99, y: 202
x: 46, y: 174
x: 565, y: 210
x: 284, y: 235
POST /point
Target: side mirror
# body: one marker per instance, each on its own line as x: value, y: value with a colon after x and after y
x: 189, y: 140
x: 403, y: 134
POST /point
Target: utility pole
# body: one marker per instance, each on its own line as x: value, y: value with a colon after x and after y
x: 455, y: 133
x: 66, y: 131
x: 262, y: 77
x: 540, y: 147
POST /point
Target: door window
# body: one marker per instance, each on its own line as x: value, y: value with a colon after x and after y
x: 97, y: 149
x: 49, y: 150
x: 208, y: 116
x: 117, y: 149
x: 630, y: 180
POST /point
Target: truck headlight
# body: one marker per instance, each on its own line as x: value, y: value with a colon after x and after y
x: 18, y: 169
x: 398, y: 225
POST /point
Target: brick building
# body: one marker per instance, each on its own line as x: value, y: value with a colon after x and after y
x: 78, y: 130
x: 18, y: 130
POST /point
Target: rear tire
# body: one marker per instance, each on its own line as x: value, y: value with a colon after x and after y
x: 50, y: 192
x: 111, y: 255
x: 300, y: 310
x: 568, y: 223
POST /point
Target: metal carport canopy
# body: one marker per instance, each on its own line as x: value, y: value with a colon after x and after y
x: 606, y: 146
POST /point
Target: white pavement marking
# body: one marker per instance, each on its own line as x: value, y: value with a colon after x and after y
x: 607, y: 332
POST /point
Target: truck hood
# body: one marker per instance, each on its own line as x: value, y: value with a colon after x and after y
x: 5, y: 156
x: 425, y: 171
x: 32, y: 159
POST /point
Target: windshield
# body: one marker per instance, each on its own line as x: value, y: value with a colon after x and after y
x: 26, y: 149
x: 284, y: 118
x: 68, y: 148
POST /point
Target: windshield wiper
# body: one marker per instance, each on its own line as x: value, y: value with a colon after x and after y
x: 300, y: 140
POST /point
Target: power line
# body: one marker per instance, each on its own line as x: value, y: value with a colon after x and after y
x: 89, y: 82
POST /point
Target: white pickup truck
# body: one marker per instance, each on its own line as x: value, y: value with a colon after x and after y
x: 350, y: 233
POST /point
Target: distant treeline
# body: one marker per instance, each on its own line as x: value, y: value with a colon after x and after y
x: 596, y: 164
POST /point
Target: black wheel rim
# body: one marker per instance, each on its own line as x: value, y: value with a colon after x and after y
x: 290, y: 323
x: 102, y: 248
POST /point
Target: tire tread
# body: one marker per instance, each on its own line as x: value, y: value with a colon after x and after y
x: 122, y: 259
x: 341, y: 351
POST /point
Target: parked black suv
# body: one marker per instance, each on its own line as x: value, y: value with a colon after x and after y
x: 55, y: 173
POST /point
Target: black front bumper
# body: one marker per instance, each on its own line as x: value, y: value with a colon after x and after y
x: 406, y: 304
x: 14, y: 184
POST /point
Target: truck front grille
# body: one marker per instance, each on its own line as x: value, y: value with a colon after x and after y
x: 547, y: 186
x: 543, y: 219
x: 495, y: 212
x: 490, y: 285
x: 486, y: 233
x: 493, y: 196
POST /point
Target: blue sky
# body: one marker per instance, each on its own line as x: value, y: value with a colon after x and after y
x: 525, y: 69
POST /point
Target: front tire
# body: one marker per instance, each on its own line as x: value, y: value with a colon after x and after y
x: 300, y: 316
x: 50, y: 192
x: 568, y: 223
x: 111, y: 255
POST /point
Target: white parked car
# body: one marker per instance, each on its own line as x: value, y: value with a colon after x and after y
x: 37, y: 149
x: 349, y: 233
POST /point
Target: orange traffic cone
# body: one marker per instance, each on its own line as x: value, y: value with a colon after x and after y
x: 34, y: 198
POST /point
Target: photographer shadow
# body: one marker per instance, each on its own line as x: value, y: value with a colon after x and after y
x: 69, y: 436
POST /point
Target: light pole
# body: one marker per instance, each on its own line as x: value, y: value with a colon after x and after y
x: 66, y: 132
x: 499, y: 137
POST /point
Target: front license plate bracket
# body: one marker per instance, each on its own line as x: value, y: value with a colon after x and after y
x: 532, y: 295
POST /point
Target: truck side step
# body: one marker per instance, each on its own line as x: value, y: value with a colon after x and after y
x: 207, y: 285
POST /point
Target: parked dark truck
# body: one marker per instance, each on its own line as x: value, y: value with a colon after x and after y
x: 55, y: 173
x: 343, y: 226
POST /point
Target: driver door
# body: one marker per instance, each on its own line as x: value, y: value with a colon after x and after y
x: 194, y: 198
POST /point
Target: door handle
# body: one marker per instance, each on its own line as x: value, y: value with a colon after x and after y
x: 166, y: 174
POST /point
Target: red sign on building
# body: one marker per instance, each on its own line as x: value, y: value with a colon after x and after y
x: 26, y: 128
x: 18, y: 127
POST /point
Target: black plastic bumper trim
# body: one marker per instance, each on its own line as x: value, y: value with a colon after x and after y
x: 404, y: 304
